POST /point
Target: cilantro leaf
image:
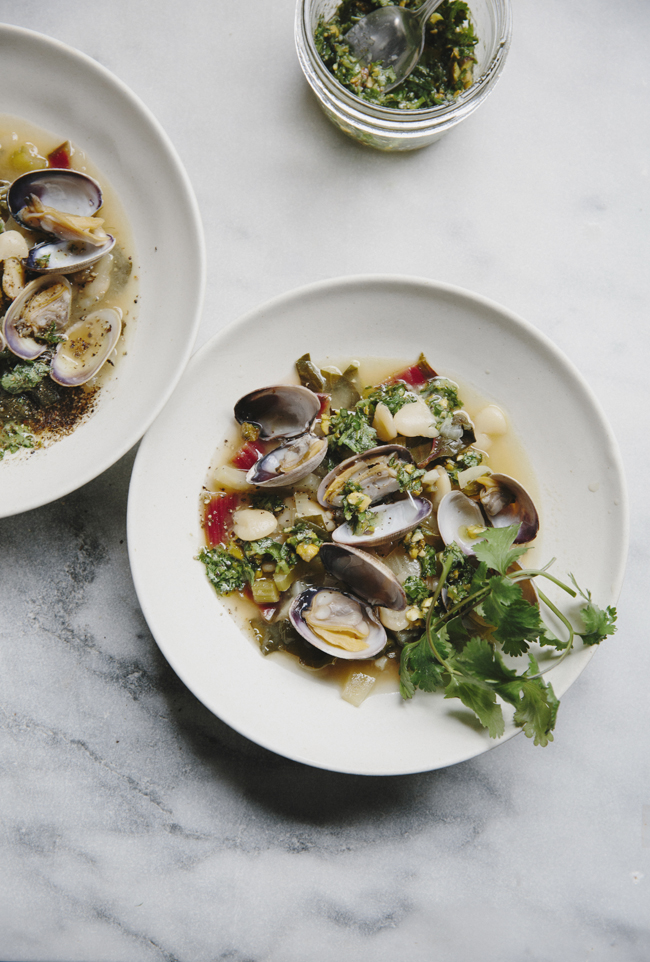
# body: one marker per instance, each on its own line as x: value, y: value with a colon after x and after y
x: 598, y: 623
x: 419, y: 667
x: 515, y: 621
x: 536, y: 712
x: 498, y: 549
x: 481, y: 700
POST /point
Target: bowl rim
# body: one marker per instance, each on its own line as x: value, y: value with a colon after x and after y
x: 140, y: 505
x: 11, y: 34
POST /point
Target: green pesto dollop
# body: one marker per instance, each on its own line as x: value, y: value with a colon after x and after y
x: 445, y: 69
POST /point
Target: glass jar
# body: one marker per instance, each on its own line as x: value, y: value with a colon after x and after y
x: 388, y: 128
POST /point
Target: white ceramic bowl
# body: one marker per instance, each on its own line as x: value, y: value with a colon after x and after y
x: 573, y: 454
x: 57, y: 88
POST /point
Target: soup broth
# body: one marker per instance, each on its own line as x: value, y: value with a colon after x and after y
x: 39, y: 416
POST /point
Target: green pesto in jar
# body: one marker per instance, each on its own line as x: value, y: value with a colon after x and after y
x: 445, y: 69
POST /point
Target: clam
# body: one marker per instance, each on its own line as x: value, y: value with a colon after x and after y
x: 64, y: 256
x: 86, y: 348
x: 371, y: 470
x: 284, y: 411
x: 42, y: 308
x: 393, y: 521
x: 337, y: 623
x: 364, y: 574
x: 460, y: 519
x: 503, y: 502
x: 61, y: 203
x: 506, y: 502
x: 288, y: 463
x: 456, y: 434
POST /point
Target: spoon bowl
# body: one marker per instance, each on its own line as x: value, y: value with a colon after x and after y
x: 392, y: 37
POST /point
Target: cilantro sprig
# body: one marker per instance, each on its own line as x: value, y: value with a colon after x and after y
x: 462, y: 649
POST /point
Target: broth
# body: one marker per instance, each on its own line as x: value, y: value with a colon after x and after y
x: 506, y: 455
x: 19, y: 142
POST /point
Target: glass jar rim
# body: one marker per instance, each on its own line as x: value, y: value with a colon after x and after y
x: 450, y: 111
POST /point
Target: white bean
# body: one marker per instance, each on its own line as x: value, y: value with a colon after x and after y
x: 416, y: 420
x: 491, y: 420
x: 250, y: 524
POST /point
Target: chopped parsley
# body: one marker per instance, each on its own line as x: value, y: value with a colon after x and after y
x: 442, y: 396
x: 24, y: 377
x: 268, y: 501
x: 408, y: 476
x: 393, y: 396
x: 356, y: 508
x: 225, y: 572
x: 350, y: 429
x: 13, y: 437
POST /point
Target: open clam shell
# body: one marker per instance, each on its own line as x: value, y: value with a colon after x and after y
x: 319, y: 614
x: 66, y: 190
x: 42, y: 306
x: 393, y: 521
x: 288, y: 463
x: 506, y: 502
x: 59, y: 256
x: 283, y: 411
x: 371, y: 470
x: 457, y: 513
x: 87, y: 347
x: 365, y: 575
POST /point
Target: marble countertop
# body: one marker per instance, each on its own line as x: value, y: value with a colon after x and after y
x: 137, y: 827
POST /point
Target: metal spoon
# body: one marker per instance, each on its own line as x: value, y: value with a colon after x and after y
x: 392, y: 37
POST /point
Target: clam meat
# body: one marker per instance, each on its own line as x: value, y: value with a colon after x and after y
x: 87, y: 346
x: 41, y: 310
x: 288, y: 463
x: 376, y: 471
x: 337, y: 623
x: 506, y: 502
x: 61, y: 203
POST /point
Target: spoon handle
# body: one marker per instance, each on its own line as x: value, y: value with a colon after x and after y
x: 425, y: 10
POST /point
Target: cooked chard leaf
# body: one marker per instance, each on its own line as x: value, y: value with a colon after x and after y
x: 310, y: 376
x: 282, y: 636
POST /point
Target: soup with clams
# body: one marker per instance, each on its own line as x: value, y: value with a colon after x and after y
x: 376, y: 530
x: 68, y: 286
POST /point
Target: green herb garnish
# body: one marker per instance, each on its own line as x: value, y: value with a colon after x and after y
x: 24, y: 377
x: 468, y: 664
x: 225, y: 572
